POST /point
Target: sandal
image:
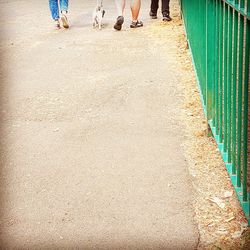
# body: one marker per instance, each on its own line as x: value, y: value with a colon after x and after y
x: 64, y: 21
x: 136, y: 24
x: 57, y: 25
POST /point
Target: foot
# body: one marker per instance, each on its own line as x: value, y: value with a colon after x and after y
x: 64, y: 20
x: 166, y: 18
x: 153, y: 15
x: 136, y: 24
x: 119, y: 23
x: 57, y: 25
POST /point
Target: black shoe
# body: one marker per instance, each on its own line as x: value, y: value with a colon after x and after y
x: 119, y: 22
x: 136, y: 24
x: 153, y: 15
x: 166, y: 18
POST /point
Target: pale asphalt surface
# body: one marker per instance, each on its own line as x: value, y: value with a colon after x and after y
x: 90, y: 139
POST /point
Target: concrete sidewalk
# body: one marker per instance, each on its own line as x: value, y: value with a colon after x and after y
x: 90, y: 138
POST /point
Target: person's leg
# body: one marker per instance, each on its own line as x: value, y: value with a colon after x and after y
x: 154, y: 6
x: 64, y: 4
x: 165, y: 10
x: 135, y: 6
x: 54, y: 9
x: 64, y: 10
x: 120, y: 5
x: 135, y: 10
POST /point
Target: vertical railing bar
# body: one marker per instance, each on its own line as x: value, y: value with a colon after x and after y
x: 225, y: 92
x: 234, y: 84
x: 217, y: 124
x: 229, y: 73
x: 245, y: 93
x: 221, y: 73
x: 210, y: 59
x: 239, y: 112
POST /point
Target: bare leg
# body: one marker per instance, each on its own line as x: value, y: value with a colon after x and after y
x: 120, y: 5
x: 135, y: 9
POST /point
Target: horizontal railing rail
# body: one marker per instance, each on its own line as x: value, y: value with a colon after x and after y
x: 218, y: 33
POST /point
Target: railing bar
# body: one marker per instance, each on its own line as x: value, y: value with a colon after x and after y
x: 239, y: 117
x: 221, y: 73
x: 229, y: 73
x: 217, y: 67
x: 234, y: 83
x: 245, y: 116
x: 224, y: 82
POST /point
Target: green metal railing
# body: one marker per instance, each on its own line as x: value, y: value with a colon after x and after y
x: 218, y: 32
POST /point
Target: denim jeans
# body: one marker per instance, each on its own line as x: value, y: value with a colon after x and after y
x: 54, y: 7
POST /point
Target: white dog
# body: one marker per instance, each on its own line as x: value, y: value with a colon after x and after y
x: 98, y: 14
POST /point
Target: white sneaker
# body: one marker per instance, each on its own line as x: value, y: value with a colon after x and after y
x: 64, y: 21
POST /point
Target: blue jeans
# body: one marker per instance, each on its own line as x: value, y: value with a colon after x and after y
x: 54, y: 7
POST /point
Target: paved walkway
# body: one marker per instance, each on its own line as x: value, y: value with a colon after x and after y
x: 90, y: 139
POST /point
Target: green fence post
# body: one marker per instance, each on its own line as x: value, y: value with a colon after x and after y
x: 234, y: 83
x: 239, y: 100
x: 225, y: 79
x: 210, y: 59
x: 229, y: 77
x: 246, y: 80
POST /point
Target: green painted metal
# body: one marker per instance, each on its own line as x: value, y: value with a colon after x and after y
x: 239, y: 112
x: 225, y: 80
x: 229, y: 81
x: 218, y: 33
x: 246, y: 80
x: 234, y: 82
x: 210, y: 58
x: 220, y: 71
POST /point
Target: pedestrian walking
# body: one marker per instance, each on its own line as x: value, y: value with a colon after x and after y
x: 135, y: 6
x: 164, y: 9
x: 59, y: 10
